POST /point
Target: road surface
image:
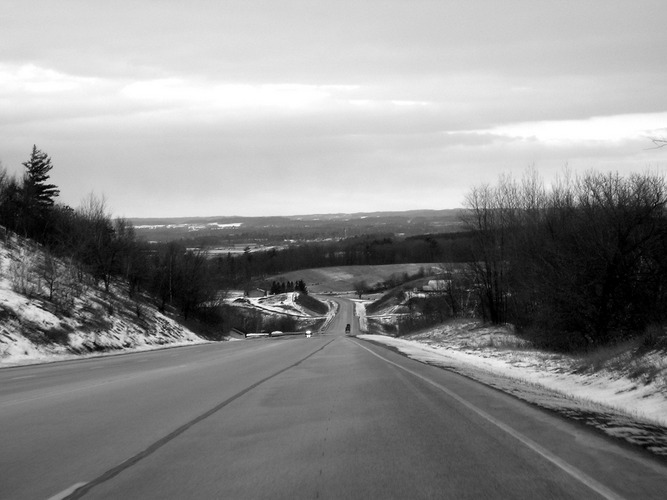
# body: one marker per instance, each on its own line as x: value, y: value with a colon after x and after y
x: 326, y: 417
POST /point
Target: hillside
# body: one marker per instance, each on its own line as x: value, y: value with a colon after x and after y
x: 50, y: 310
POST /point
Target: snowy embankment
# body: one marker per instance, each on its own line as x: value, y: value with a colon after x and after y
x: 360, y: 312
x: 286, y: 304
x: 83, y: 321
x: 333, y: 310
x: 282, y: 303
x: 634, y: 409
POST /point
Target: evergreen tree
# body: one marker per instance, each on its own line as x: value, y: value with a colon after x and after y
x: 35, y: 180
x: 300, y: 286
x: 37, y: 195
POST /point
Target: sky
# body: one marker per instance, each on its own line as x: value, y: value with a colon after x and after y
x: 280, y: 107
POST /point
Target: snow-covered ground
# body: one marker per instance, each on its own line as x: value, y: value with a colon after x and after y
x: 34, y: 330
x: 282, y: 303
x: 360, y: 312
x: 634, y: 409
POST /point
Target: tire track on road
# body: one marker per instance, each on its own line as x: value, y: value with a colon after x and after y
x: 111, y: 473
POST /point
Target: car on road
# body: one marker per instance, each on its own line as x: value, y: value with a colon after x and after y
x: 347, y: 329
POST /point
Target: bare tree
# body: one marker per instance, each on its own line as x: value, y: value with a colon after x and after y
x: 360, y: 288
x: 51, y: 272
x: 488, y: 217
x: 585, y: 257
x: 99, y: 246
x: 660, y: 142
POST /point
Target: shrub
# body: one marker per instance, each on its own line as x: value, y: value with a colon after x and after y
x: 57, y: 336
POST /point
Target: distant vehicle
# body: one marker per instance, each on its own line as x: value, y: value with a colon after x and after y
x: 307, y: 334
x: 275, y: 332
x: 347, y: 328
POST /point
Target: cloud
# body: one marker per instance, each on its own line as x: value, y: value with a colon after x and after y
x: 232, y: 96
x: 227, y: 107
x: 31, y: 79
x: 598, y: 129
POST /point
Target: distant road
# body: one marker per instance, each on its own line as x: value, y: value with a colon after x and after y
x: 326, y: 417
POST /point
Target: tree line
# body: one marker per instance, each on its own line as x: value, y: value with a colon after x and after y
x: 278, y: 287
x: 578, y: 263
x: 359, y: 250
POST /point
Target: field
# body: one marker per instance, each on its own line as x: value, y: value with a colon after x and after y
x: 341, y: 279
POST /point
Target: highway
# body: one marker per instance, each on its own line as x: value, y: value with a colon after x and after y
x: 330, y: 416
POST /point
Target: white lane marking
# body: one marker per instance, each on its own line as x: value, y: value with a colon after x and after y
x: 581, y: 476
x: 24, y: 376
x: 67, y: 492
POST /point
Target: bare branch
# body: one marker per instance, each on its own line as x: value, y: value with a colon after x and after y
x: 659, y: 142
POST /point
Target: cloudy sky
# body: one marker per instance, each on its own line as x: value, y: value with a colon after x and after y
x: 276, y: 107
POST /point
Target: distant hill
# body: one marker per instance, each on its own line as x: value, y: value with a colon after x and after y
x: 274, y: 229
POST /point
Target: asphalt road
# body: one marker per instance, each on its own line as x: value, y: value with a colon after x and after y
x: 326, y: 417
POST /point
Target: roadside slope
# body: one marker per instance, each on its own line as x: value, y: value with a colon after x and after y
x: 78, y: 319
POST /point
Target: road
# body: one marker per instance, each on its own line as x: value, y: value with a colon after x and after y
x: 326, y: 417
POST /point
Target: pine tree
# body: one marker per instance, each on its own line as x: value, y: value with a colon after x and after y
x: 40, y: 194
x: 37, y: 195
